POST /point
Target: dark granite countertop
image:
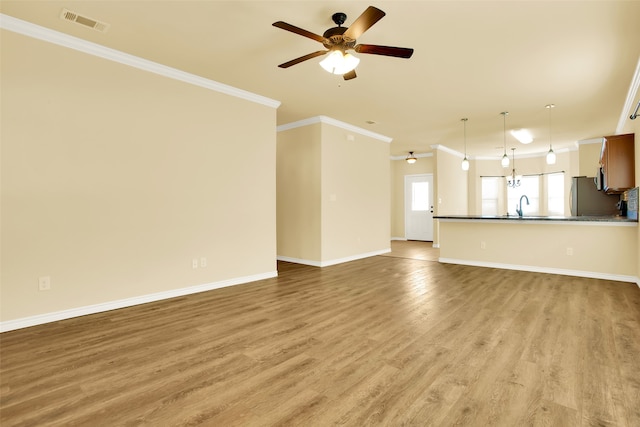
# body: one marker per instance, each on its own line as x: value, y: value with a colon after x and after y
x: 540, y: 218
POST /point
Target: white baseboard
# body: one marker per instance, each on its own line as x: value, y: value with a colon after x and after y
x: 399, y: 238
x: 435, y: 245
x: 299, y: 261
x: 550, y: 270
x: 334, y: 261
x: 39, y: 319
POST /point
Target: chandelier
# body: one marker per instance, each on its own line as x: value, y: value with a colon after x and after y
x: 513, y: 180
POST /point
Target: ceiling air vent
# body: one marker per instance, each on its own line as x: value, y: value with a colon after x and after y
x: 68, y: 15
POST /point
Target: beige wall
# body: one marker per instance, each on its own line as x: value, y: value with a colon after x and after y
x: 298, y: 192
x: 474, y: 189
x: 114, y: 179
x: 399, y: 169
x: 589, y: 158
x: 333, y: 205
x: 451, y: 184
x: 451, y: 188
x: 355, y: 194
x: 543, y: 245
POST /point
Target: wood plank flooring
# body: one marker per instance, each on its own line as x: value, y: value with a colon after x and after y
x: 413, y: 249
x: 388, y: 340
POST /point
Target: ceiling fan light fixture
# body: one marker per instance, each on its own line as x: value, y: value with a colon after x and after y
x: 411, y: 159
x: 340, y: 39
x: 338, y: 63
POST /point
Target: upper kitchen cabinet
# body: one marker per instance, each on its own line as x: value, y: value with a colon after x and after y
x: 617, y: 162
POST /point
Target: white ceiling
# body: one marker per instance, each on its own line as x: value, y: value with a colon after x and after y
x: 472, y: 59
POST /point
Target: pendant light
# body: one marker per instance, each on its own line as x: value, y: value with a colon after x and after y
x: 465, y: 161
x: 505, y: 158
x: 411, y: 159
x: 551, y: 156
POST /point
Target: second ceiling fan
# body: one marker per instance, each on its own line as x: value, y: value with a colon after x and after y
x: 338, y: 40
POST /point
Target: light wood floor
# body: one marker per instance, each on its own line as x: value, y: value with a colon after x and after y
x: 413, y: 249
x: 386, y: 340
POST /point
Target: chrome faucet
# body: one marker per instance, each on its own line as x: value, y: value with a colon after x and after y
x: 519, y: 209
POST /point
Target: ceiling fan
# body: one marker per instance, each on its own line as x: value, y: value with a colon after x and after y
x: 338, y: 40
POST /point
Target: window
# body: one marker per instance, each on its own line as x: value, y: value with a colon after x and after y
x: 530, y: 187
x: 490, y: 192
x: 420, y: 199
x: 555, y: 194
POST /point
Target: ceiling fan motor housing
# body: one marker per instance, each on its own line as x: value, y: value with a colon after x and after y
x: 336, y: 40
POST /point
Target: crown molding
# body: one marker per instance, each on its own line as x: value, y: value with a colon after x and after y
x: 449, y: 150
x: 590, y: 141
x: 28, y: 29
x: 629, y: 101
x: 530, y: 155
x: 521, y: 156
x: 336, y: 123
x: 300, y: 123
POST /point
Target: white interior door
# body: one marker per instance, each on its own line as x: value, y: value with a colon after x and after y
x: 418, y: 207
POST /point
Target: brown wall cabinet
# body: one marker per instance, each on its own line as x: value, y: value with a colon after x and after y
x: 617, y: 162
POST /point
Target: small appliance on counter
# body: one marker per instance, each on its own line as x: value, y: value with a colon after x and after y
x: 586, y: 200
x: 629, y: 201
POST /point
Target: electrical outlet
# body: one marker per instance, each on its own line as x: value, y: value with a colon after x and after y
x: 483, y: 245
x: 203, y: 262
x: 194, y: 263
x: 569, y: 251
x: 44, y: 283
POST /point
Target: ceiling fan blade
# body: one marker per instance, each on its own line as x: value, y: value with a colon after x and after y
x: 299, y: 31
x: 302, y: 58
x: 350, y: 75
x: 363, y: 23
x: 398, y: 52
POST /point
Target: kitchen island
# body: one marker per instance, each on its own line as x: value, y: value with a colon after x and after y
x: 598, y: 247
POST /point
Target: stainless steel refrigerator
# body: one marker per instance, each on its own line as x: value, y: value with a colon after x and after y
x: 586, y: 200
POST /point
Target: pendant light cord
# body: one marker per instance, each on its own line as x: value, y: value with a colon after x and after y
x: 504, y: 131
x: 465, y: 136
x: 549, y: 107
